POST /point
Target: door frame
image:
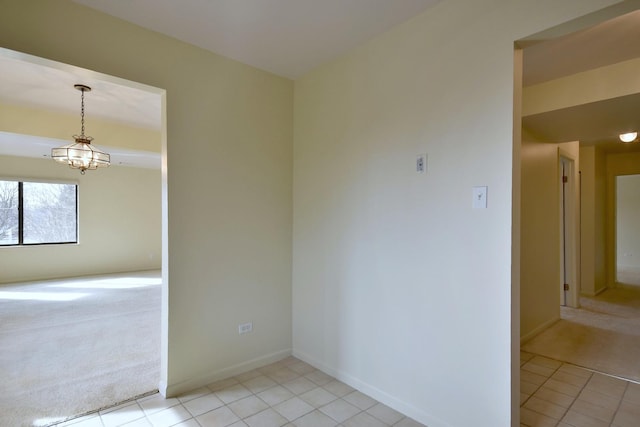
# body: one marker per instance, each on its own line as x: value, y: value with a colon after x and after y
x: 569, y: 231
x: 628, y: 167
x: 162, y: 94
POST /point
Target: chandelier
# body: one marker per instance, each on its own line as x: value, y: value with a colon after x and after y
x: 81, y: 154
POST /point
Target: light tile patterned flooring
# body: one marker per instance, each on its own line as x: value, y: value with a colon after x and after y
x: 557, y: 394
x: 286, y: 393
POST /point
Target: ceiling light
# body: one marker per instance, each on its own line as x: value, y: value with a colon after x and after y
x: 628, y: 137
x: 81, y: 154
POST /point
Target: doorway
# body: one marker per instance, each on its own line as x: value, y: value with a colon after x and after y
x: 568, y: 235
x: 627, y: 249
x: 107, y: 206
x: 539, y: 311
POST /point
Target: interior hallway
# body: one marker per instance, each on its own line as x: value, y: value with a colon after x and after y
x: 562, y: 369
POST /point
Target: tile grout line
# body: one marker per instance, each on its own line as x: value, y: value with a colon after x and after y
x: 269, y: 406
x: 619, y: 403
x: 540, y: 386
x: 577, y: 396
x: 574, y: 399
x: 593, y: 371
x: 582, y: 388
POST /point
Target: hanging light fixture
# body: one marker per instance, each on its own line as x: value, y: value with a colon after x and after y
x: 81, y: 154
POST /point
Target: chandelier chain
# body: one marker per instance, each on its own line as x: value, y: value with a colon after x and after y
x: 82, y: 113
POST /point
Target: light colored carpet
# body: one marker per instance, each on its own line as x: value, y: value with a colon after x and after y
x: 76, y: 345
x: 603, y: 335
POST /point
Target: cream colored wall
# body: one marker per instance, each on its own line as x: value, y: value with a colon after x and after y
x: 600, y: 222
x: 399, y: 287
x: 593, y: 225
x: 119, y: 223
x: 627, y: 229
x: 540, y: 237
x: 38, y: 122
x: 229, y: 184
x: 587, y: 219
x: 540, y: 232
x: 617, y: 164
x: 599, y: 84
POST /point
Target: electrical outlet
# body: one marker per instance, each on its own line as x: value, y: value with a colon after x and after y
x: 245, y: 328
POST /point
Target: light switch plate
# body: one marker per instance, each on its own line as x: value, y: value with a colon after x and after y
x: 480, y: 197
x: 421, y: 163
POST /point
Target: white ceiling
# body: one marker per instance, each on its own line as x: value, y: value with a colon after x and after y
x: 32, y: 82
x: 285, y: 37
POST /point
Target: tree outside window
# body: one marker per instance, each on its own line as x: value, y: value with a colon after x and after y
x: 8, y: 213
x: 37, y: 213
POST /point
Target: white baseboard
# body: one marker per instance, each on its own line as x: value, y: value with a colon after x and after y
x: 377, y: 394
x: 539, y: 329
x: 599, y: 291
x: 171, y: 390
x: 162, y: 388
x: 624, y: 286
x: 594, y: 293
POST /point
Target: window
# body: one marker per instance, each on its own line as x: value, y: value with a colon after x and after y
x: 33, y: 213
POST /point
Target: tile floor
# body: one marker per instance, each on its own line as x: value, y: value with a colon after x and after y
x: 286, y: 393
x: 557, y: 394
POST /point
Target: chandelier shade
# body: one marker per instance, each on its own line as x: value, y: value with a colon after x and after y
x: 81, y: 154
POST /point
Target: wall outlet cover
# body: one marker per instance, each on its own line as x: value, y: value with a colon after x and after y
x: 244, y: 328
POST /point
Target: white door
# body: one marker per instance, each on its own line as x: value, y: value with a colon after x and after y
x: 564, y: 230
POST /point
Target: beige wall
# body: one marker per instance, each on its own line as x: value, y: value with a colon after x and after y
x: 600, y: 223
x: 587, y: 219
x: 592, y: 216
x: 617, y: 164
x: 399, y: 287
x: 49, y: 124
x: 539, y: 234
x: 119, y: 223
x: 229, y: 135
x: 627, y: 229
x: 599, y: 84
x: 540, y: 270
